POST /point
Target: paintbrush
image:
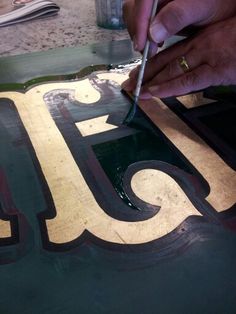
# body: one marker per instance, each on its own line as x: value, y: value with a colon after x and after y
x: 133, y: 109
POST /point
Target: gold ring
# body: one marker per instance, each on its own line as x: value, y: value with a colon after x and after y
x: 184, y: 64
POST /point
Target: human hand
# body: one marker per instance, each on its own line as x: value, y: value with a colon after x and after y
x: 172, y: 17
x: 210, y: 56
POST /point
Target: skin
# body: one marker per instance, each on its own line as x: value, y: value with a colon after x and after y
x: 209, y: 53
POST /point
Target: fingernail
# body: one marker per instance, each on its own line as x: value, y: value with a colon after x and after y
x: 126, y: 85
x: 158, y: 32
x: 135, y: 44
x: 154, y: 89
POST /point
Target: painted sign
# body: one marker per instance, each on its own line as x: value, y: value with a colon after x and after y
x: 77, y: 181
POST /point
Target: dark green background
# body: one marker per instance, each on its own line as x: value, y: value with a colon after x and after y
x: 95, y: 279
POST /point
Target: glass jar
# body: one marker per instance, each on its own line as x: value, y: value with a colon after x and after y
x: 109, y: 14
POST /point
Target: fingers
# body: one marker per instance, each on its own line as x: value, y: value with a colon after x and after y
x: 206, y: 63
x: 128, y: 16
x: 174, y: 69
x: 175, y: 16
x: 136, y: 14
x: 152, y: 50
x: 142, y: 13
x: 156, y: 64
x: 200, y: 78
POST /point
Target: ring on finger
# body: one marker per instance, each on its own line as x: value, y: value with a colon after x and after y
x: 183, y: 64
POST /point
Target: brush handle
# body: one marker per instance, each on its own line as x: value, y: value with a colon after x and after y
x: 145, y: 56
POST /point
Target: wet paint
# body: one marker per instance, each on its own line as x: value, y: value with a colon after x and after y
x: 192, y: 262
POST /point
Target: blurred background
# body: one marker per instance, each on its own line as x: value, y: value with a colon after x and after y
x: 74, y: 25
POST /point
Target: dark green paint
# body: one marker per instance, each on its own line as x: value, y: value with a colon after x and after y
x: 94, y: 279
x: 197, y: 281
x: 227, y: 132
x: 146, y: 144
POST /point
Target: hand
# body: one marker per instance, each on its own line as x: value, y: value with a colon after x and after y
x: 172, y: 17
x: 210, y: 56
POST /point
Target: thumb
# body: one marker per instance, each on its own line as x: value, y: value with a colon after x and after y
x: 175, y: 16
